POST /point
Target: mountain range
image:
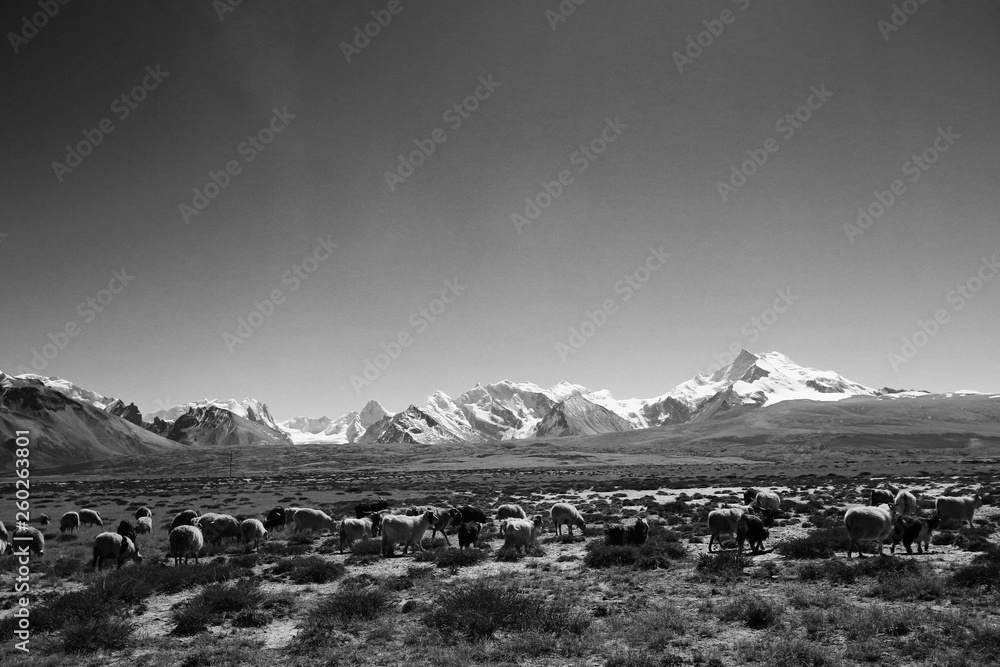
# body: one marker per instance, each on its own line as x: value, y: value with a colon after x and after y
x: 72, y: 424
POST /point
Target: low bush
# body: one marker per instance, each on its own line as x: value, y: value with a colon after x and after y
x: 754, y: 611
x: 820, y: 543
x: 309, y: 569
x: 97, y: 633
x: 723, y: 564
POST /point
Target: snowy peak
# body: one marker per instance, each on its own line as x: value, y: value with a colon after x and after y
x: 372, y: 412
x: 249, y: 408
x: 70, y: 390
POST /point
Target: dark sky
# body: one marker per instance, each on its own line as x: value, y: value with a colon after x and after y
x: 172, y: 333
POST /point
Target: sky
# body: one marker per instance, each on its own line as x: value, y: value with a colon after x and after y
x: 580, y: 206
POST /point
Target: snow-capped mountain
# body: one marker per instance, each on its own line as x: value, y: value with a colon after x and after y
x: 69, y: 389
x: 249, y: 408
x: 349, y: 428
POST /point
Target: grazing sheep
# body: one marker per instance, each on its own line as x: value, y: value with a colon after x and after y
x: 363, y: 509
x: 27, y: 539
x: 522, y: 533
x: 117, y: 546
x: 69, y: 521
x: 126, y: 529
x: 275, y: 519
x: 405, y: 530
x: 620, y: 535
x: 90, y: 518
x: 509, y: 512
x: 252, y: 529
x: 958, y: 508
x: 143, y: 525
x: 909, y: 530
x: 43, y: 520
x: 905, y: 503
x: 762, y: 500
x: 143, y: 511
x: 352, y: 530
x: 750, y: 528
x: 468, y: 534
x: 313, y: 520
x: 443, y: 517
x: 881, y: 497
x: 723, y: 522
x: 290, y: 515
x: 376, y: 518
x: 867, y: 523
x: 565, y: 514
x: 185, y: 541
x: 184, y: 518
x: 215, y: 526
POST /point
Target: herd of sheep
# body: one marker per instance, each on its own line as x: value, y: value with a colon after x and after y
x: 890, y: 515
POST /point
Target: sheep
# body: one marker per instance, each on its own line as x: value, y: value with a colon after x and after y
x: 614, y: 535
x: 43, y: 520
x: 762, y: 500
x: 275, y: 519
x: 751, y: 528
x: 290, y: 515
x: 909, y: 530
x: 69, y: 521
x: 117, y: 546
x: 620, y: 535
x: 252, y: 529
x: 522, y: 533
x: 958, y: 508
x: 90, y: 518
x: 313, y: 520
x: 143, y: 525
x: 406, y: 530
x: 352, y: 530
x: 362, y: 509
x: 723, y: 522
x: 126, y: 529
x: 185, y: 540
x: 444, y: 517
x: 215, y: 526
x: 468, y: 534
x: 565, y: 514
x: 143, y: 511
x: 867, y: 523
x: 905, y: 503
x: 509, y: 512
x: 27, y: 539
x: 470, y: 514
x: 881, y: 497
x: 184, y: 518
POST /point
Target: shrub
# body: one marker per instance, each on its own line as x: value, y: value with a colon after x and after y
x: 456, y: 558
x: 481, y: 608
x: 661, y: 547
x: 365, y: 552
x: 357, y: 602
x: 834, y: 570
x: 309, y: 569
x: 821, y: 543
x: 754, y: 611
x: 723, y: 564
x: 97, y: 633
x: 983, y: 571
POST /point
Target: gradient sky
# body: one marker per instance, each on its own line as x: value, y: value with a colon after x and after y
x: 161, y: 340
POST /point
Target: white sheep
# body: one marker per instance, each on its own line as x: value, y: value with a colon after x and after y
x: 215, y: 526
x: 405, y: 530
x: 143, y: 525
x: 565, y: 514
x: 186, y: 541
x: 510, y: 512
x: 881, y: 497
x: 290, y: 515
x: 27, y: 539
x: 724, y: 522
x: 90, y: 518
x: 522, y: 533
x: 957, y: 508
x: 113, y: 545
x: 184, y: 518
x: 143, y: 511
x: 867, y: 523
x: 313, y: 520
x: 252, y: 529
x: 762, y: 500
x: 352, y: 530
x: 905, y: 503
